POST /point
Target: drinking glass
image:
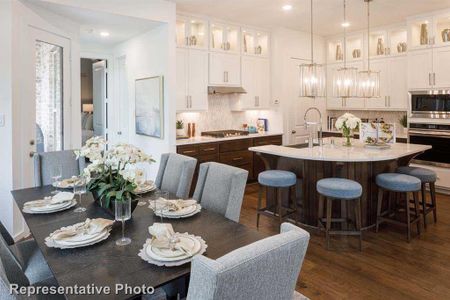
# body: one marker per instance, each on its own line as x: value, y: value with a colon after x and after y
x: 79, y: 189
x: 56, y: 173
x: 141, y: 179
x: 122, y: 210
x: 160, y: 208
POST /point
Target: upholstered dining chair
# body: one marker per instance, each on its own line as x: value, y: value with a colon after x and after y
x: 44, y: 162
x: 220, y: 188
x: 175, y: 174
x: 266, y: 269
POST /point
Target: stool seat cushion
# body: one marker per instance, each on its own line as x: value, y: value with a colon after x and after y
x: 339, y: 188
x: 398, y: 182
x: 277, y: 178
x: 425, y: 175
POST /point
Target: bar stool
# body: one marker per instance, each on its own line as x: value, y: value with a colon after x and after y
x: 429, y: 177
x: 343, y: 190
x: 398, y: 183
x: 278, y: 180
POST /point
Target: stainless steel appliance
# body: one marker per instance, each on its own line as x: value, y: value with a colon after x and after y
x: 224, y: 133
x: 435, y: 135
x: 432, y: 104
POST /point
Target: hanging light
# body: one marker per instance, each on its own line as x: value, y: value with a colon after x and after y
x: 368, y: 81
x: 312, y: 76
x: 345, y: 80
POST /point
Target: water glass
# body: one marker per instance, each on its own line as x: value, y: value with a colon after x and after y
x: 157, y: 206
x: 56, y: 174
x: 79, y: 189
x: 141, y: 179
x: 122, y: 209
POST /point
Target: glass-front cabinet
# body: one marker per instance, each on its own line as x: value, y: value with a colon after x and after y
x: 224, y: 38
x: 398, y: 41
x: 442, y: 29
x: 335, y: 50
x: 420, y: 32
x: 191, y: 32
x: 255, y: 42
x: 354, y: 47
x: 378, y: 43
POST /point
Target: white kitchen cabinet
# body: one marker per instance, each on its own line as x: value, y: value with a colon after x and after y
x: 332, y: 102
x: 398, y: 87
x: 256, y: 82
x: 380, y: 65
x: 420, y: 69
x: 224, y: 69
x: 191, y: 32
x: 225, y: 38
x: 441, y: 67
x: 192, y: 80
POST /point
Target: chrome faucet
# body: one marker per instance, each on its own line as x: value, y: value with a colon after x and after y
x: 311, y: 134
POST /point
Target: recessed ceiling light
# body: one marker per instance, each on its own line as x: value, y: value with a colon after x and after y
x: 345, y: 24
x: 104, y: 33
x: 286, y: 7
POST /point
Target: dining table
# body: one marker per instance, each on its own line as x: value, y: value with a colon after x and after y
x: 105, y: 264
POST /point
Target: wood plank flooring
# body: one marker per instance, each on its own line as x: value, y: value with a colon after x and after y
x: 388, y: 267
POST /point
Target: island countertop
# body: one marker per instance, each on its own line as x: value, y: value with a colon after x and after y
x: 338, y: 153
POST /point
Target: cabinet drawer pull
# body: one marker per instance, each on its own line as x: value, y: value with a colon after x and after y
x: 209, y: 149
x: 189, y: 151
x: 238, y: 158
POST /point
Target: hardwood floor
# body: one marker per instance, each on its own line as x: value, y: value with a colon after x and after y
x: 388, y: 267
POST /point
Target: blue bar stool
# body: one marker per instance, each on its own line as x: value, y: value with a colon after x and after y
x: 278, y: 180
x: 429, y: 177
x: 398, y: 183
x: 343, y: 190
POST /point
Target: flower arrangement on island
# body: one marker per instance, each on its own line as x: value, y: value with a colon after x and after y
x: 111, y: 175
x: 347, y: 123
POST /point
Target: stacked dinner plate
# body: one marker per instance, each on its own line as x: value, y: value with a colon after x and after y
x: 60, y: 201
x: 175, y: 209
x: 81, y: 234
x: 146, y: 187
x: 66, y: 183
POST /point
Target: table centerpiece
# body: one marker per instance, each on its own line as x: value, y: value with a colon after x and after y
x: 347, y: 124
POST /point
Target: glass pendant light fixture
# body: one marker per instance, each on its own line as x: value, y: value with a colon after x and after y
x: 312, y: 76
x: 345, y: 79
x: 368, y: 81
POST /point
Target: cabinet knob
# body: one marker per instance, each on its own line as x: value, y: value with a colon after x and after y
x: 294, y: 131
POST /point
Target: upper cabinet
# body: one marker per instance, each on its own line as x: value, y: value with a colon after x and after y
x: 192, y: 32
x: 224, y: 38
x: 255, y: 42
x: 429, y: 31
x: 224, y: 69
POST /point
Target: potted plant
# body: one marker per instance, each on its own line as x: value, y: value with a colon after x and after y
x: 180, y: 128
x: 404, y: 122
x: 111, y: 174
x: 347, y: 123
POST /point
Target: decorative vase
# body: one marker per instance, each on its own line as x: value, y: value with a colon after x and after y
x: 356, y: 53
x: 347, y: 135
x: 380, y: 47
x: 339, y: 54
x: 424, y: 34
x: 111, y: 209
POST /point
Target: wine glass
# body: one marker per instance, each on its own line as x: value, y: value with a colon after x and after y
x: 56, y: 173
x: 122, y: 210
x: 141, y: 179
x: 79, y: 188
x: 158, y: 207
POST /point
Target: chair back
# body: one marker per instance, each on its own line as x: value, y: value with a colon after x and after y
x: 221, y: 188
x: 11, y: 265
x: 175, y: 174
x: 45, y: 161
x: 4, y: 285
x: 6, y: 236
x: 266, y: 269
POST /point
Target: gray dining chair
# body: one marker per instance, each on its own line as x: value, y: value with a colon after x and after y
x: 45, y: 161
x: 266, y: 269
x: 220, y: 188
x: 175, y: 174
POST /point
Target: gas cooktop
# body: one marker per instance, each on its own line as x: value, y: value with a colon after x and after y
x: 225, y: 133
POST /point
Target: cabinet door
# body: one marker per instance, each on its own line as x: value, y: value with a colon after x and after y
x: 381, y: 66
x: 232, y: 67
x: 441, y: 67
x: 248, y: 101
x: 262, y: 76
x: 398, y: 87
x: 224, y: 69
x: 332, y: 101
x: 419, y: 68
x: 198, y: 80
x: 182, y: 79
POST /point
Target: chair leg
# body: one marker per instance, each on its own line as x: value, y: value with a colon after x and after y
x: 259, y: 205
x: 329, y: 210
x: 408, y: 219
x: 320, y: 211
x: 358, y: 220
x: 279, y: 198
x: 433, y: 200
x: 416, y: 210
x: 424, y: 205
x: 379, y: 203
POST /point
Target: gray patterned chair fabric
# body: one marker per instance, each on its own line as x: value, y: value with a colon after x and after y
x: 266, y: 269
x: 43, y: 163
x: 5, y: 234
x: 175, y: 174
x: 220, y: 188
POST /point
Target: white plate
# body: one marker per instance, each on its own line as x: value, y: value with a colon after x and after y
x: 49, y: 211
x: 164, y: 254
x: 57, y: 244
x: 82, y: 239
x: 184, y: 211
x: 63, y: 184
x: 51, y: 207
x: 145, y: 188
x: 149, y: 251
x: 174, y: 215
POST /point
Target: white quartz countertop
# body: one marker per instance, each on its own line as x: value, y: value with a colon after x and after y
x: 339, y: 153
x: 207, y: 139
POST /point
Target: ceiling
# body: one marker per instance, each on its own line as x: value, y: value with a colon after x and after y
x: 328, y: 14
x: 120, y: 28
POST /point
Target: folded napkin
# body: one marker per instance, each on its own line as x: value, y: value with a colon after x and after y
x: 175, y: 205
x: 56, y: 199
x: 88, y: 227
x: 164, y: 237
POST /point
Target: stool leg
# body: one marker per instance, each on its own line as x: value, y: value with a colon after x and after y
x: 424, y: 205
x: 320, y: 212
x: 433, y: 200
x: 329, y: 210
x: 416, y: 209
x: 379, y: 203
x: 408, y: 219
x: 260, y: 190
x: 279, y: 198
x: 358, y: 220
x: 294, y: 203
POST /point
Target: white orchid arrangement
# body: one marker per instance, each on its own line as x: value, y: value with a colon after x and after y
x: 111, y: 174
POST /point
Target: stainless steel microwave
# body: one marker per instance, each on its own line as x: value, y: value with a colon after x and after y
x: 432, y: 104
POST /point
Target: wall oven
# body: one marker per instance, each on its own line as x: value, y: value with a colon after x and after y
x: 432, y: 104
x: 435, y: 135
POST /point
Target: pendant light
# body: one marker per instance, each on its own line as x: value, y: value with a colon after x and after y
x: 345, y: 79
x: 368, y: 81
x: 312, y: 76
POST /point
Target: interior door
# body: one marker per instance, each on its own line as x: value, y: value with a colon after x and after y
x: 46, y: 117
x: 99, y: 97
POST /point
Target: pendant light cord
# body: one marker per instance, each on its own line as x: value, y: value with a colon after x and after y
x: 368, y: 36
x: 312, y: 34
x: 345, y: 35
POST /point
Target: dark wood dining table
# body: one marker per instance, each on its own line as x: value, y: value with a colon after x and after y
x: 106, y: 264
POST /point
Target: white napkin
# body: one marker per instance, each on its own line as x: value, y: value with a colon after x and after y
x: 175, y: 205
x: 88, y: 227
x: 56, y: 199
x: 163, y: 233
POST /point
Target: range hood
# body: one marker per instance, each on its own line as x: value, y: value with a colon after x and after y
x: 226, y: 90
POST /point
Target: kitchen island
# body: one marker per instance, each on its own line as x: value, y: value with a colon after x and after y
x: 357, y: 163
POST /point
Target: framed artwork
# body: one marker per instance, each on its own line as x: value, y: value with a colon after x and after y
x: 368, y: 132
x: 149, y: 112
